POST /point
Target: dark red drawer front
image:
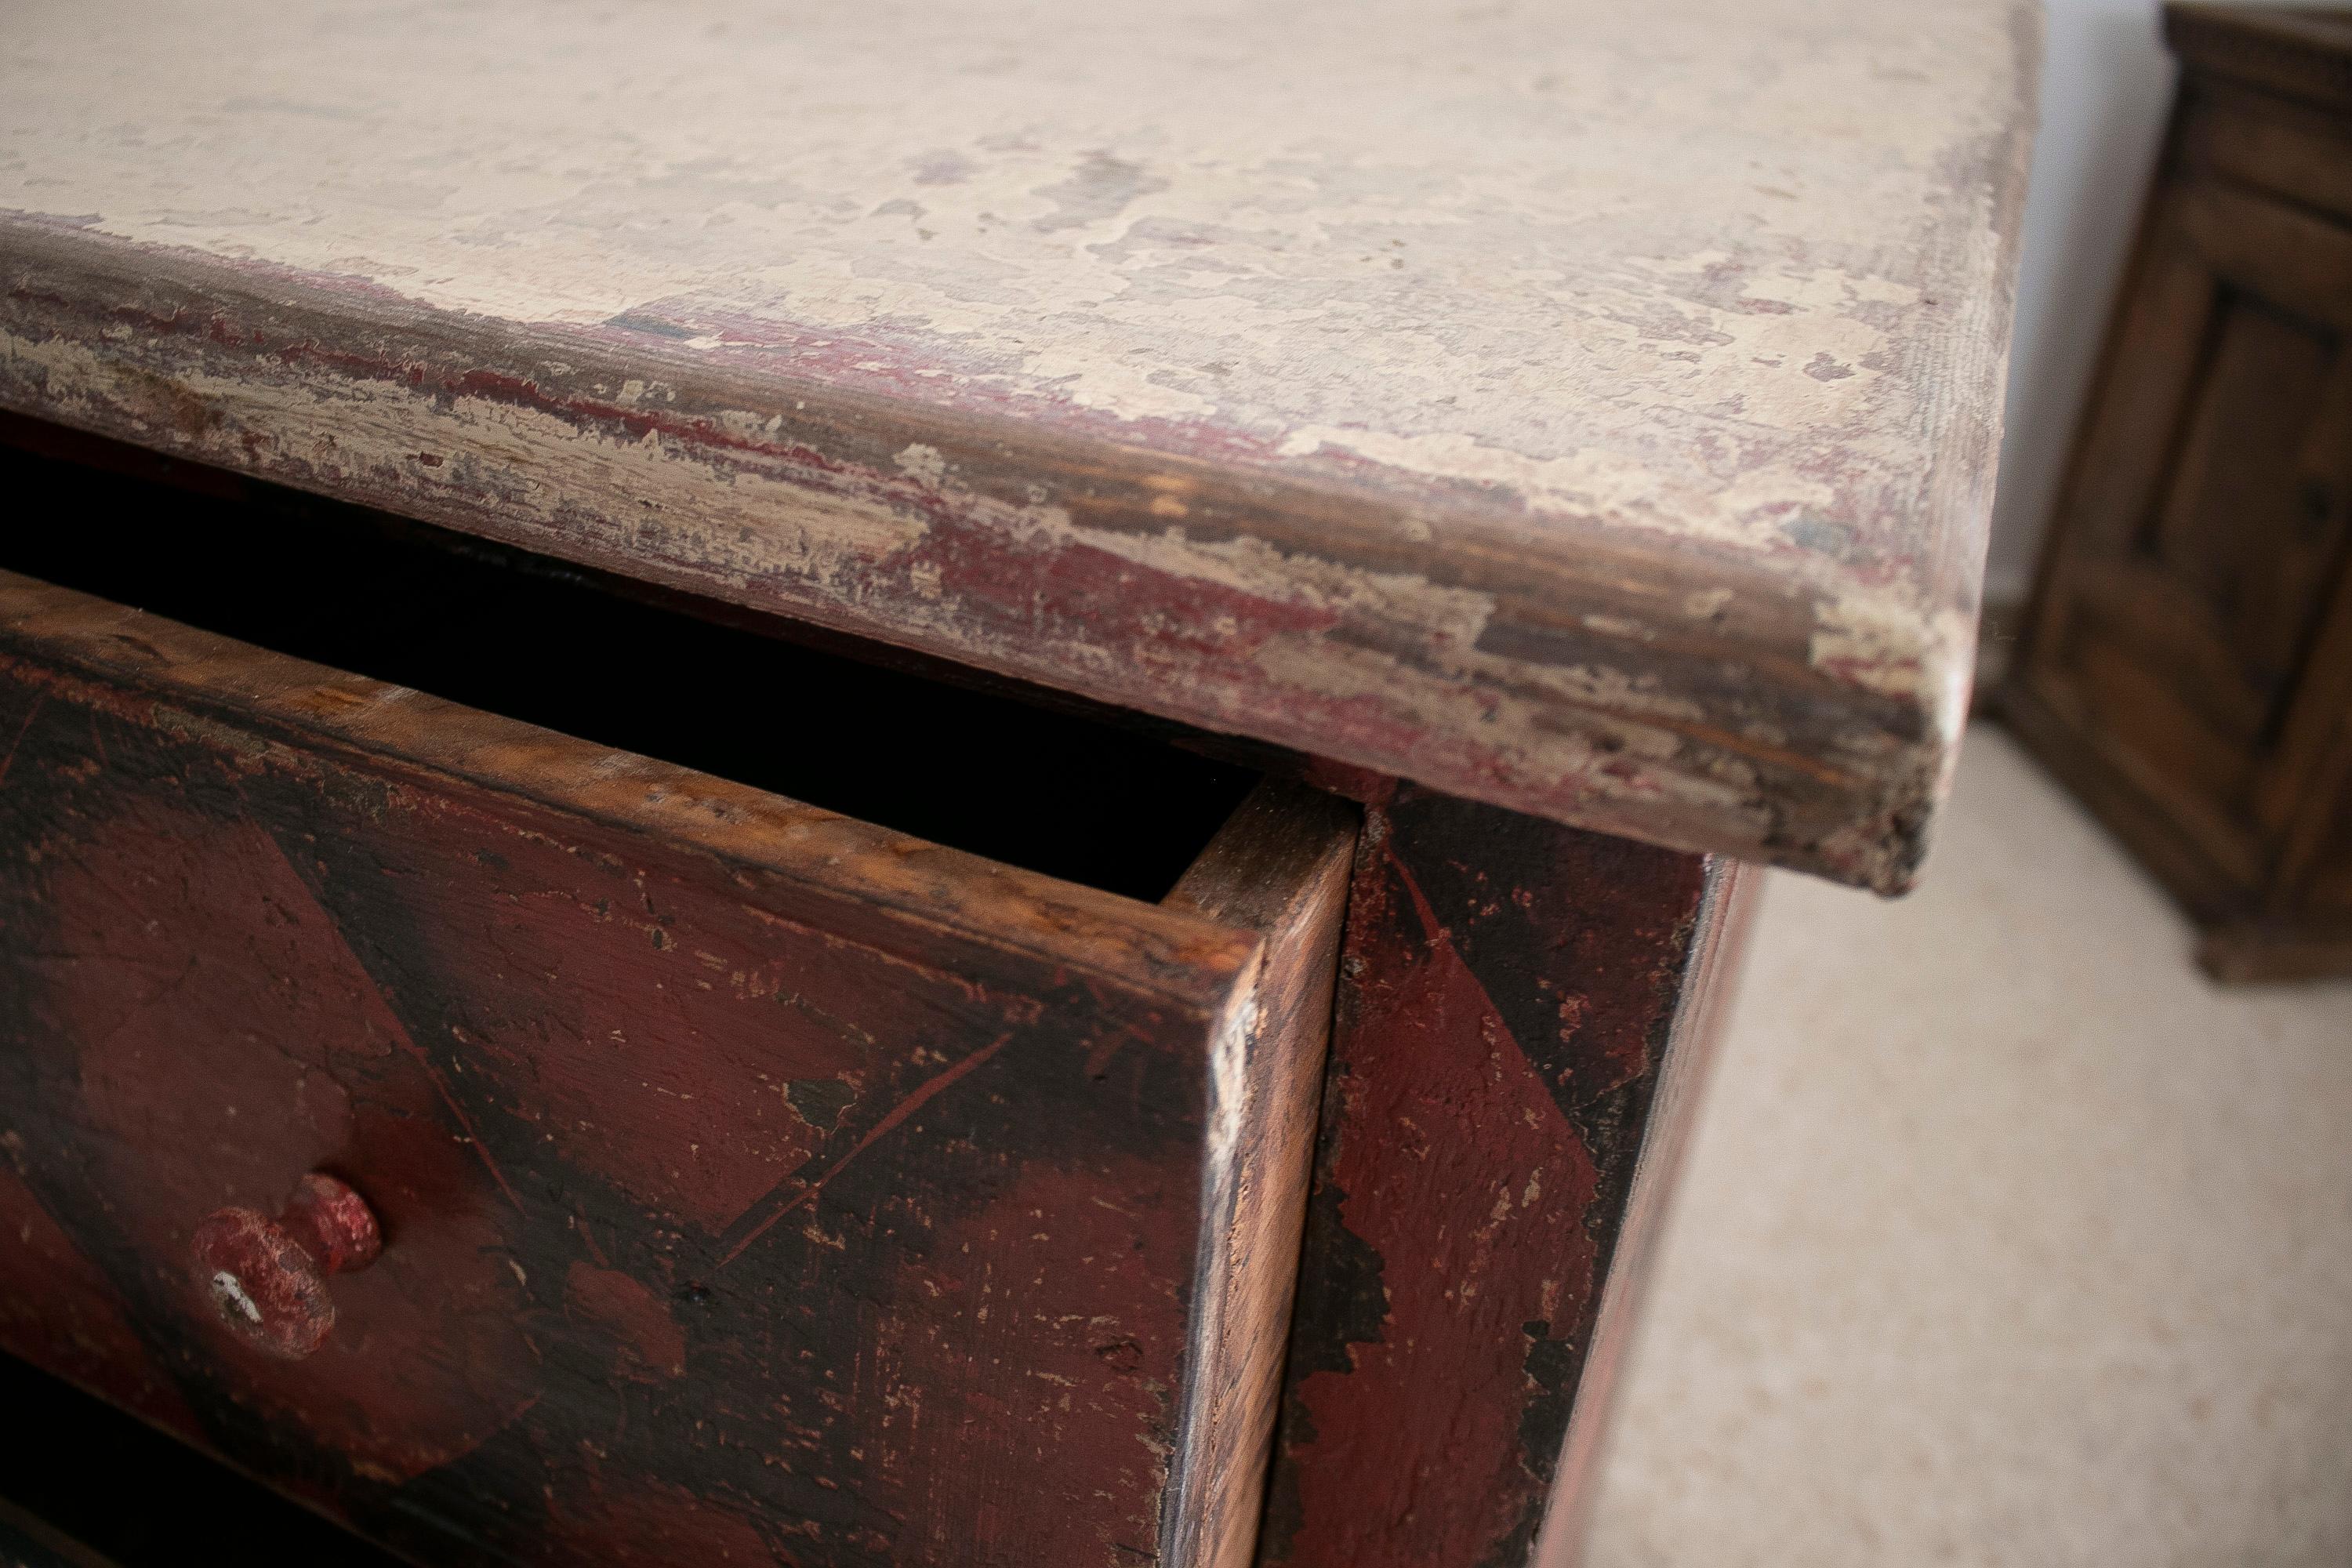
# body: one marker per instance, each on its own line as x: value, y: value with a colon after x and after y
x: 756, y: 1186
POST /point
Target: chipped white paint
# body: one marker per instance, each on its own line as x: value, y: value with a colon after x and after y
x: 1490, y: 240
x: 788, y: 530
x: 923, y: 463
x: 765, y: 529
x: 1725, y: 275
x: 231, y: 1297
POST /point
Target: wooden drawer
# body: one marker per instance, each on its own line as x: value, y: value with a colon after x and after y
x: 757, y: 1185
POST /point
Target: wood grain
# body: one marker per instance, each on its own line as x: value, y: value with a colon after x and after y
x: 1281, y: 867
x: 1603, y: 428
x: 759, y: 1186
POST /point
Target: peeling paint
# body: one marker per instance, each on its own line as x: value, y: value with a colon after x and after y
x: 1576, y: 293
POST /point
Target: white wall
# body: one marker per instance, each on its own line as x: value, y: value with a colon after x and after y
x: 2107, y: 81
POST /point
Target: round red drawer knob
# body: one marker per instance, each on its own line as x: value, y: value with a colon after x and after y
x: 267, y: 1279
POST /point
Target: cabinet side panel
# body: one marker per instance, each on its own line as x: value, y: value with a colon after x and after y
x: 1508, y: 992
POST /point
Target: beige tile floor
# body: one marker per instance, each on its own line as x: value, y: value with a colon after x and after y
x: 2006, y: 1240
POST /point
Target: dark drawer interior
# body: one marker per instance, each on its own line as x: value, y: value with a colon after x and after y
x: 138, y: 1498
x: 706, y: 1126
x: 672, y: 676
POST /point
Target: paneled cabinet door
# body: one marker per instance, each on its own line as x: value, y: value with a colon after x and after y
x: 2203, y: 527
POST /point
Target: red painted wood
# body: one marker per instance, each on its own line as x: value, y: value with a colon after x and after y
x: 1508, y: 990
x: 827, y: 1198
x: 267, y: 1279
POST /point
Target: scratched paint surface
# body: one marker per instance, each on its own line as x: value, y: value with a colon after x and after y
x: 1510, y: 988
x: 717, y: 1231
x: 1722, y: 283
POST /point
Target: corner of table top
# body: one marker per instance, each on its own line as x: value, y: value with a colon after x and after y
x: 1591, y: 411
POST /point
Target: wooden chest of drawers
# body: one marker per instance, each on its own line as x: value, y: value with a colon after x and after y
x: 847, y: 787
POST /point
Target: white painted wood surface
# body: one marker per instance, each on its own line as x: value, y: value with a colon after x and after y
x: 1584, y: 406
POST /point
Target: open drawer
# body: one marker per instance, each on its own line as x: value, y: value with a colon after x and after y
x: 755, y: 1184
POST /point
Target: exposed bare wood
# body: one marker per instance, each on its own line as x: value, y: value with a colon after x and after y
x: 1280, y: 867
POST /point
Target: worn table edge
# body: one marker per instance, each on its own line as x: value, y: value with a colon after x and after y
x: 1593, y: 697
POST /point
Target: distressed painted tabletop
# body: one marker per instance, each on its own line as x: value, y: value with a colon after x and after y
x: 1583, y: 406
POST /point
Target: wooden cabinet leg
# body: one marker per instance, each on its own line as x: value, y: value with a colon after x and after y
x: 1522, y: 1015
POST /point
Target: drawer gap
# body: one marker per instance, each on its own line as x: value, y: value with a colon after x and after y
x: 90, y: 1454
x: 534, y: 639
